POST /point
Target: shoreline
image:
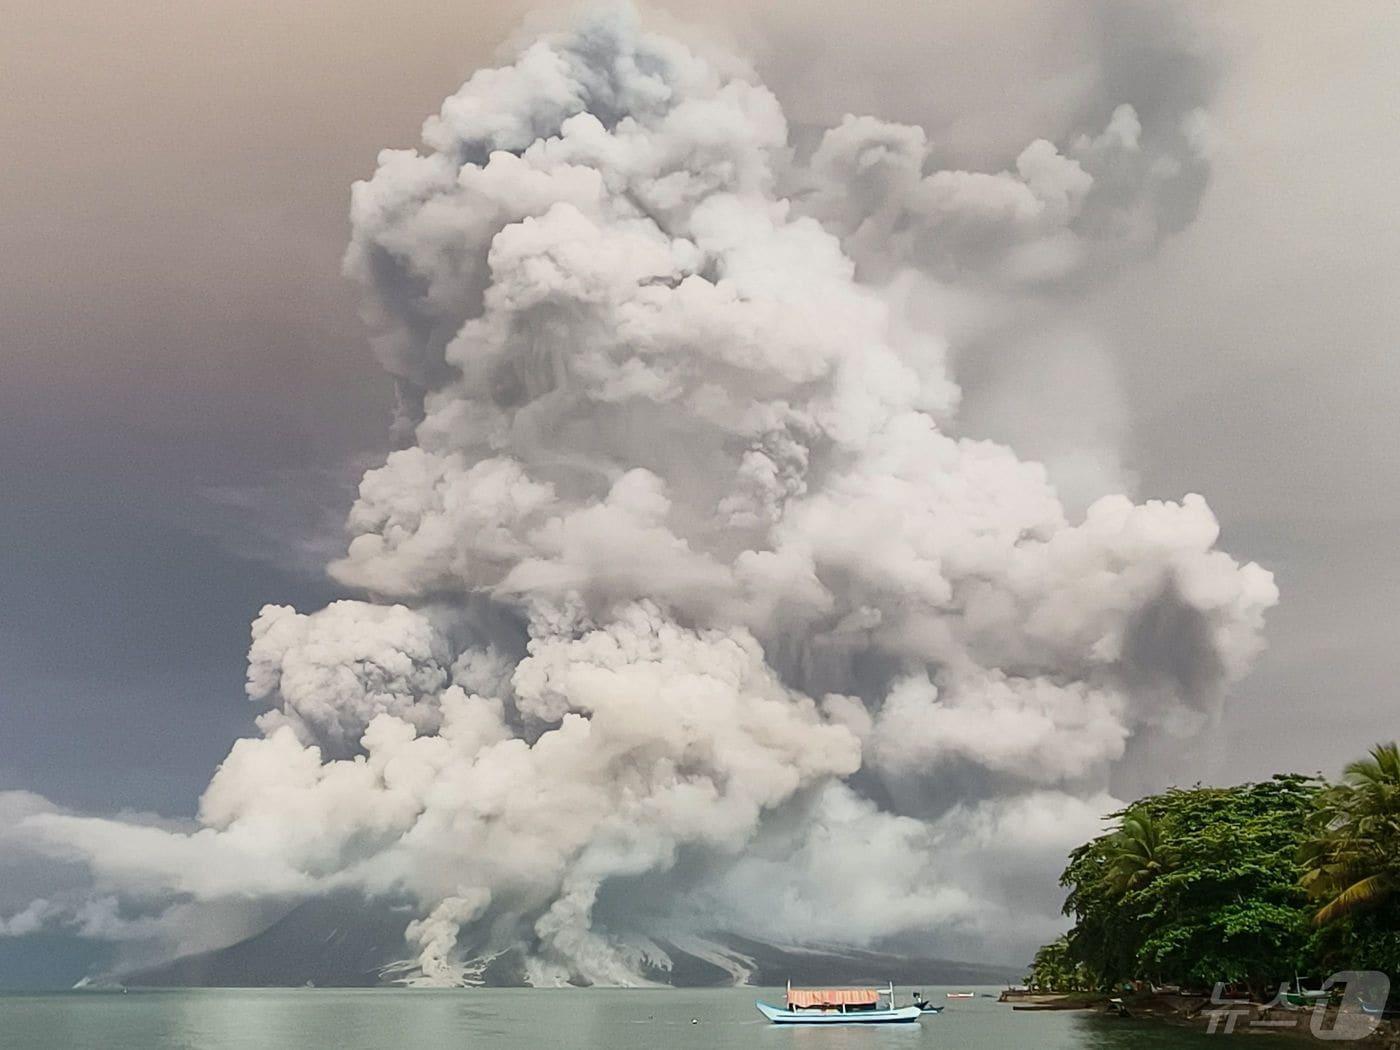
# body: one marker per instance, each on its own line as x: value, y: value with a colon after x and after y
x: 1196, y: 1012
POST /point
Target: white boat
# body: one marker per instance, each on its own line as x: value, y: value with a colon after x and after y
x: 839, y: 1006
x: 962, y: 995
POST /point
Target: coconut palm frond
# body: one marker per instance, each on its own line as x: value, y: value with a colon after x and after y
x: 1367, y: 891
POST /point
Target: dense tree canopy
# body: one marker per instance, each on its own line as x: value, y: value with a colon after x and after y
x: 1247, y: 884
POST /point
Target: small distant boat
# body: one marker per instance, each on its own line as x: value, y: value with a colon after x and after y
x: 1301, y: 996
x: 962, y: 995
x: 840, y: 1006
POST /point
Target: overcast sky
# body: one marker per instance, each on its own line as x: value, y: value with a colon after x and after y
x: 187, y: 392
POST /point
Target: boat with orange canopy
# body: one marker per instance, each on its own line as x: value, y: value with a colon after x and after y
x: 840, y: 1006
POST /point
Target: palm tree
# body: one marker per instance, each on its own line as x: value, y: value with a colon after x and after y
x: 1055, y: 971
x: 1353, y: 860
x: 1136, y: 853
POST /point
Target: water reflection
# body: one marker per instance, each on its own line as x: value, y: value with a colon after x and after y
x: 522, y: 1019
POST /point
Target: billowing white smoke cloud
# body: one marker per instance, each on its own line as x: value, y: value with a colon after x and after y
x: 331, y: 673
x: 1057, y: 213
x: 685, y: 580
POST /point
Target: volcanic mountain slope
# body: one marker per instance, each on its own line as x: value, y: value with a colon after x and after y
x: 336, y: 942
x: 340, y: 942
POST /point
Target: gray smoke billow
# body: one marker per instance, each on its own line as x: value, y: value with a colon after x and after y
x: 688, y: 605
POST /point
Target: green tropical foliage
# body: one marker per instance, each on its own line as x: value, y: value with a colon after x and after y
x: 1135, y: 853
x: 1195, y: 886
x: 1353, y: 858
x: 1055, y: 971
x: 1352, y: 866
x: 1247, y: 884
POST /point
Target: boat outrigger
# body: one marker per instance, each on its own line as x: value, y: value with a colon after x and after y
x: 840, y: 1006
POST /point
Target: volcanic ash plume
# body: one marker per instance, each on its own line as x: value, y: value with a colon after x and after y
x: 688, y: 608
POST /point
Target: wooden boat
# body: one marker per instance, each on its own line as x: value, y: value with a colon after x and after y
x: 1300, y: 996
x: 1043, y: 1007
x: 817, y: 1006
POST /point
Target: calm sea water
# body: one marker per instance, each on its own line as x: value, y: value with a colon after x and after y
x: 511, y: 1019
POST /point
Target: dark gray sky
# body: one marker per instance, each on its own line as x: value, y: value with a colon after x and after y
x: 185, y: 387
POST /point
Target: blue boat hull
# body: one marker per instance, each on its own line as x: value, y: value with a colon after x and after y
x: 779, y: 1015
